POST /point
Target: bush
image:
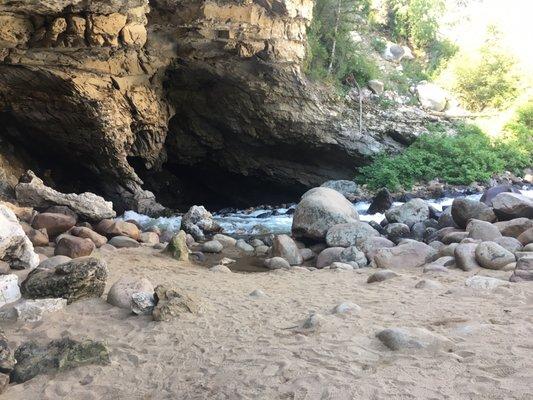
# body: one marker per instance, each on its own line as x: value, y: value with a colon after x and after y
x: 469, y: 156
x: 488, y: 80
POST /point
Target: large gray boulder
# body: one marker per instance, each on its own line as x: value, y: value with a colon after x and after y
x: 15, y: 247
x: 493, y: 256
x: 512, y: 205
x: 350, y: 234
x: 283, y: 246
x: 464, y: 209
x: 415, y: 210
x: 31, y: 191
x: 320, y: 209
x: 411, y: 254
x: 74, y: 280
x: 482, y: 230
x: 198, y: 221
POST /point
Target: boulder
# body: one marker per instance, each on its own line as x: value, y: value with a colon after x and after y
x: 353, y: 256
x: 376, y: 86
x: 228, y: 241
x: 283, y: 246
x: 432, y: 96
x: 86, y: 233
x: 347, y: 188
x: 328, y: 256
x: 33, y: 310
x: 493, y: 256
x: 454, y: 237
x: 415, y: 210
x: 512, y: 205
x: 490, y: 193
x: 121, y: 242
x: 74, y: 280
x: 150, y: 238
x: 111, y: 228
x: 413, y: 339
x: 397, y: 231
x: 9, y: 289
x: 31, y: 191
x: 59, y: 355
x: 177, y: 247
x: 509, y: 243
x: 482, y: 230
x: 526, y: 237
x: 446, y: 220
x: 62, y: 210
x: 372, y: 244
x: 74, y: 247
x: 350, y: 234
x: 307, y: 254
x: 198, y: 221
x: 15, y: 247
x: 120, y: 294
x: 465, y: 256
x: 243, y: 246
x: 170, y: 304
x: 514, y: 227
x: 320, y: 209
x: 413, y: 254
x: 38, y: 237
x: 142, y: 303
x: 276, y: 263
x: 53, y: 262
x: 381, y: 202
x: 213, y: 246
x: 381, y: 276
x: 523, y: 270
x: 464, y: 209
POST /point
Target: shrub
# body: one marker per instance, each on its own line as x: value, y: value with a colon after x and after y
x: 488, y: 80
x: 469, y: 156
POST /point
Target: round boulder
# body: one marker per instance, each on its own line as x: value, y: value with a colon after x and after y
x: 121, y: 292
x: 350, y: 234
x: 493, y: 256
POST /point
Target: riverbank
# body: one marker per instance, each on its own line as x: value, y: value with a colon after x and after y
x: 244, y: 347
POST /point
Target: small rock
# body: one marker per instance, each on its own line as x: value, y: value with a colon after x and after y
x: 142, y: 303
x: 33, y: 310
x: 54, y: 261
x: 403, y: 338
x: 464, y: 209
x: 82, y: 232
x: 346, y: 308
x: 121, y: 242
x: 55, y: 224
x: 177, y: 247
x: 276, y: 263
x: 123, y: 289
x: 493, y: 256
x: 170, y: 304
x: 428, y: 284
x: 220, y: 268
x: 257, y: 293
x: 465, y: 256
x: 341, y: 266
x: 151, y: 238
x: 381, y: 276
x: 74, y: 247
x: 212, y: 246
x: 415, y: 210
x: 243, y: 246
x: 381, y: 202
x: 283, y: 246
x: 225, y: 240
x: 484, y: 282
x: 482, y: 230
x: 9, y: 289
x: 523, y: 270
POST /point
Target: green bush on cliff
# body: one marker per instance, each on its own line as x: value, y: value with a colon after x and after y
x: 469, y: 156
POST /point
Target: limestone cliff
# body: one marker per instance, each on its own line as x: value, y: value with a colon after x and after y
x: 203, y: 100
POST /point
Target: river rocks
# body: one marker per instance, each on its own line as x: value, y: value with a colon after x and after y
x: 350, y: 234
x: 38, y: 237
x: 512, y: 205
x: 213, y: 246
x: 15, y: 247
x: 428, y: 284
x: 283, y: 246
x: 198, y: 221
x: 74, y: 280
x: 491, y: 193
x: 320, y: 209
x: 446, y: 220
x: 409, y: 213
x: 307, y: 254
x: 509, y: 243
x: 514, y: 227
x: 347, y: 188
x: 170, y: 304
x: 53, y: 262
x: 150, y: 238
x: 228, y: 241
x: 523, y: 270
x: 353, y: 256
x: 276, y: 263
x: 33, y: 310
x: 372, y: 244
x: 111, y: 228
x: 177, y: 247
x: 7, y: 361
x: 464, y: 209
x: 31, y: 191
x: 493, y: 256
x: 61, y: 355
x: 404, y: 338
x: 86, y: 233
x: 397, y: 231
x: 381, y: 202
x: 142, y: 303
x: 465, y: 256
x: 381, y: 276
x: 74, y: 247
x: 484, y: 282
x: 9, y: 289
x: 121, y: 242
x: 328, y: 256
x: 120, y: 294
x: 526, y: 237
x: 243, y: 246
x: 482, y: 230
x: 413, y: 254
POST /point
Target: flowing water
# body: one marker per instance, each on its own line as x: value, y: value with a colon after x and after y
x: 264, y: 221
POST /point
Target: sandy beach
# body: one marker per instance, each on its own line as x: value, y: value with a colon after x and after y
x: 245, y: 347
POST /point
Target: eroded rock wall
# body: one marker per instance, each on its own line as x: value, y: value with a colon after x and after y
x: 193, y: 96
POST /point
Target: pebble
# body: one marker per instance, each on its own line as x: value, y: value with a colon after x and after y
x: 346, y: 308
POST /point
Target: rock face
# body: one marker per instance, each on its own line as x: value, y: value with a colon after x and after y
x: 116, y: 84
x: 58, y: 355
x: 15, y: 247
x: 74, y: 280
x: 320, y: 209
x: 33, y: 192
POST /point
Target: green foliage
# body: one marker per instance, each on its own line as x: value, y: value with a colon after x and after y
x: 379, y: 44
x: 440, y: 52
x: 486, y: 81
x: 415, y: 21
x: 349, y: 60
x: 469, y: 156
